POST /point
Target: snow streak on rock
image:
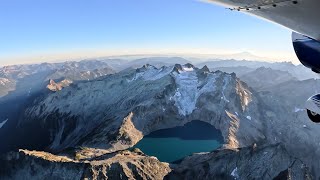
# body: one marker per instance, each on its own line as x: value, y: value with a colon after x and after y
x: 226, y: 82
x: 298, y: 109
x: 3, y: 123
x: 234, y: 173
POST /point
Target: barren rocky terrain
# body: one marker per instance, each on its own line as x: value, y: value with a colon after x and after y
x: 86, y: 129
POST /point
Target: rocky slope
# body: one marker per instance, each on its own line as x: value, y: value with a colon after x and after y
x: 120, y: 165
x: 239, y: 70
x: 265, y: 162
x: 21, y: 84
x: 28, y: 79
x: 270, y: 162
x: 264, y: 78
x: 110, y: 114
x: 76, y: 71
x: 147, y: 99
x: 6, y: 85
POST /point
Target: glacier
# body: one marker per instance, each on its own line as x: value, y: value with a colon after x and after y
x: 187, y: 91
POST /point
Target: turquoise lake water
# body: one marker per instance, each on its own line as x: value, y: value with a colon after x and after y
x: 173, y: 144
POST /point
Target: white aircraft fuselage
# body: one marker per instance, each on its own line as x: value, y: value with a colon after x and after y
x: 302, y: 16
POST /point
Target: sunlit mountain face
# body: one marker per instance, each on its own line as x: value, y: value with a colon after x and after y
x: 157, y: 118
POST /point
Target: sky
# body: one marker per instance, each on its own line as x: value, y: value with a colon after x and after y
x: 38, y: 30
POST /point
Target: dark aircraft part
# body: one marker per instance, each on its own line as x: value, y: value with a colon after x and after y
x: 313, y: 116
x: 307, y: 51
x: 313, y: 108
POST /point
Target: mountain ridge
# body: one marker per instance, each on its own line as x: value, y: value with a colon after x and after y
x: 110, y: 114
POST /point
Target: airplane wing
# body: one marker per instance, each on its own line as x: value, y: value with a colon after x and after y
x: 301, y: 16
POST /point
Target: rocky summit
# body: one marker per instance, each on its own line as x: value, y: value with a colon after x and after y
x: 86, y: 129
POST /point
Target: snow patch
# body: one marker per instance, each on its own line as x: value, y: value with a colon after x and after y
x: 3, y: 123
x: 29, y: 91
x: 298, y: 109
x: 187, y: 68
x: 234, y: 173
x: 226, y: 82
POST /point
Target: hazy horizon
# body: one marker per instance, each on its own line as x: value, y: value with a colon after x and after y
x: 56, y: 31
x: 194, y: 58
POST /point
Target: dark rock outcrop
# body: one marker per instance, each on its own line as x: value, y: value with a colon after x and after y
x: 120, y: 165
x: 267, y: 162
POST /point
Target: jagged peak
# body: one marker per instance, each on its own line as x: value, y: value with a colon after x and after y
x: 150, y: 72
x: 145, y: 67
x: 205, y: 68
x: 177, y: 68
x: 189, y: 65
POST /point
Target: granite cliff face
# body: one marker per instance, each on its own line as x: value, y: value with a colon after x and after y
x: 147, y: 99
x: 101, y: 118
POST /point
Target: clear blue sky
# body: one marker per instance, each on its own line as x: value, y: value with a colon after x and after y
x: 33, y: 29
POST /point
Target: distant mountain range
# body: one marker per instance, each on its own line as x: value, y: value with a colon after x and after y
x: 242, y: 67
x: 262, y: 78
x: 196, y: 57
